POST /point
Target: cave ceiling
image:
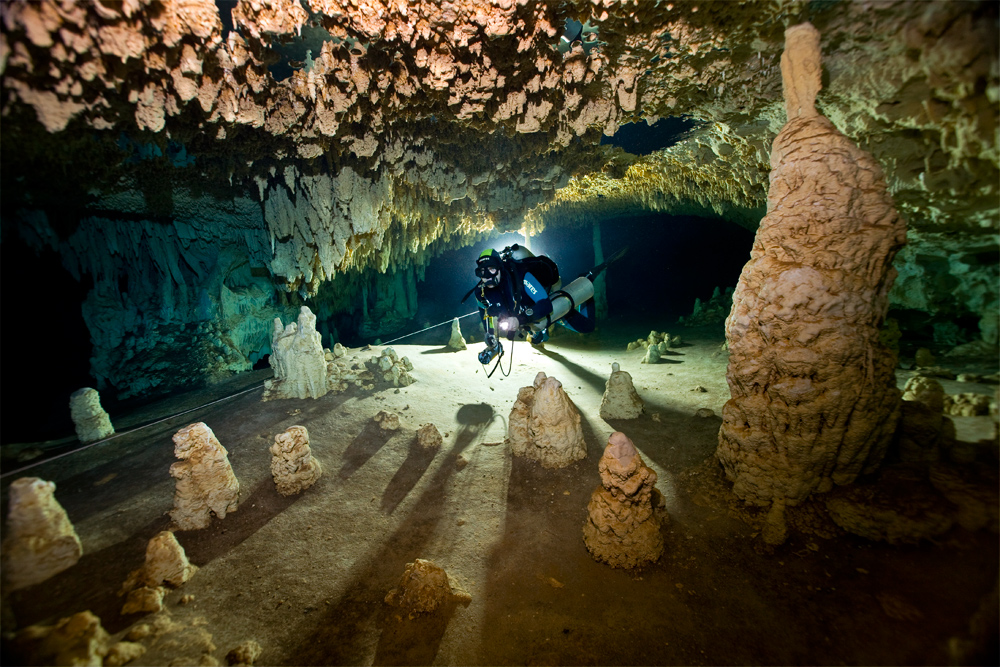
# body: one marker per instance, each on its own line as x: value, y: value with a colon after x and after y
x: 365, y: 133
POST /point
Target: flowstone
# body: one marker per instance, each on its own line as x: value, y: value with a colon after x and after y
x: 40, y: 541
x: 620, y: 400
x: 293, y: 466
x: 544, y: 425
x: 622, y: 529
x: 206, y: 484
x: 91, y: 421
x: 814, y: 402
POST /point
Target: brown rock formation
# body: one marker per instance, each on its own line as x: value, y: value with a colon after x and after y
x: 40, y: 540
x: 620, y: 400
x: 423, y: 588
x: 76, y: 640
x: 544, y: 425
x: 206, y: 484
x: 293, y: 466
x: 814, y: 401
x: 621, y: 528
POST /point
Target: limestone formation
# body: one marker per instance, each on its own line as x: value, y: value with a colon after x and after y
x: 967, y: 404
x: 91, y: 421
x: 424, y: 588
x: 293, y: 466
x: 122, y: 653
x: 39, y: 540
x: 923, y: 432
x: 652, y: 355
x: 166, y: 562
x: 814, y: 401
x: 390, y: 368
x: 246, y: 653
x: 298, y: 360
x: 387, y: 421
x: 429, y: 437
x: 456, y: 342
x: 925, y: 390
x: 75, y: 640
x: 622, y: 528
x: 714, y: 311
x: 620, y: 400
x: 144, y: 600
x: 659, y: 341
x: 544, y: 425
x: 206, y: 484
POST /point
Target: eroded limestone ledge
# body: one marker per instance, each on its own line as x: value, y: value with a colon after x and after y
x: 814, y: 401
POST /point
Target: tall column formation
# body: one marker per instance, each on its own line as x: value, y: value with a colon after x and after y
x: 814, y: 401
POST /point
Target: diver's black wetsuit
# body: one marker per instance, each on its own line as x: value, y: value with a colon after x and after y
x: 514, y: 290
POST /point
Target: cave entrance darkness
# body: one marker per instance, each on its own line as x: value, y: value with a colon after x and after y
x: 55, y: 343
x: 671, y: 261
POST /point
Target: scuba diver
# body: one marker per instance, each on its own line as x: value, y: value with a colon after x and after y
x: 520, y: 295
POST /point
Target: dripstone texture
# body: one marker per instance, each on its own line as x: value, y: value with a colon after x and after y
x: 544, y: 425
x: 814, y: 401
x: 206, y: 484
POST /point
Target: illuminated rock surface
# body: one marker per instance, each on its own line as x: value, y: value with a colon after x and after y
x: 91, y: 421
x: 545, y: 425
x: 621, y: 528
x: 423, y: 588
x: 814, y: 401
x: 297, y: 359
x: 293, y: 466
x: 39, y: 540
x: 206, y: 485
x: 76, y: 640
x: 620, y: 400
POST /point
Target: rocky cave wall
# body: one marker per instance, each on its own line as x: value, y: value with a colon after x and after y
x: 210, y: 172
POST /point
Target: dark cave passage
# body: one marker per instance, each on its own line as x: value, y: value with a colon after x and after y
x: 42, y: 294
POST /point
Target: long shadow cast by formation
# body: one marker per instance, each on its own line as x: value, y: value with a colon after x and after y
x: 412, y: 641
x: 343, y: 635
x: 367, y: 443
x: 413, y: 468
x: 223, y: 535
x: 586, y: 375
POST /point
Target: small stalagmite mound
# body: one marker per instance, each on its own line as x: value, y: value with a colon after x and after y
x: 75, y: 640
x: 293, y: 466
x: 622, y: 529
x: 40, y: 541
x: 544, y: 425
x: 166, y: 565
x: 620, y: 401
x: 387, y: 421
x: 429, y: 437
x: 423, y: 588
x: 206, y: 484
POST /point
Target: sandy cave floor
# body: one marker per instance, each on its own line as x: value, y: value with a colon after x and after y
x: 306, y: 576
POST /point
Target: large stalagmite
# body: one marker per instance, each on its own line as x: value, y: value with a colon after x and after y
x: 206, y: 484
x: 39, y: 541
x: 544, y: 425
x: 298, y: 359
x: 622, y: 528
x: 293, y: 466
x: 814, y: 401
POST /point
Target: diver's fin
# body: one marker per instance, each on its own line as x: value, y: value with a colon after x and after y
x: 596, y: 271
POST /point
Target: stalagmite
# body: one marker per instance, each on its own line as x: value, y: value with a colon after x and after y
x: 206, y: 484
x: 620, y: 400
x: 423, y: 588
x: 622, y: 529
x: 75, y: 640
x: 456, y: 342
x: 40, y: 540
x: 544, y: 425
x: 298, y: 359
x: 91, y: 421
x: 293, y: 466
x: 814, y: 401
